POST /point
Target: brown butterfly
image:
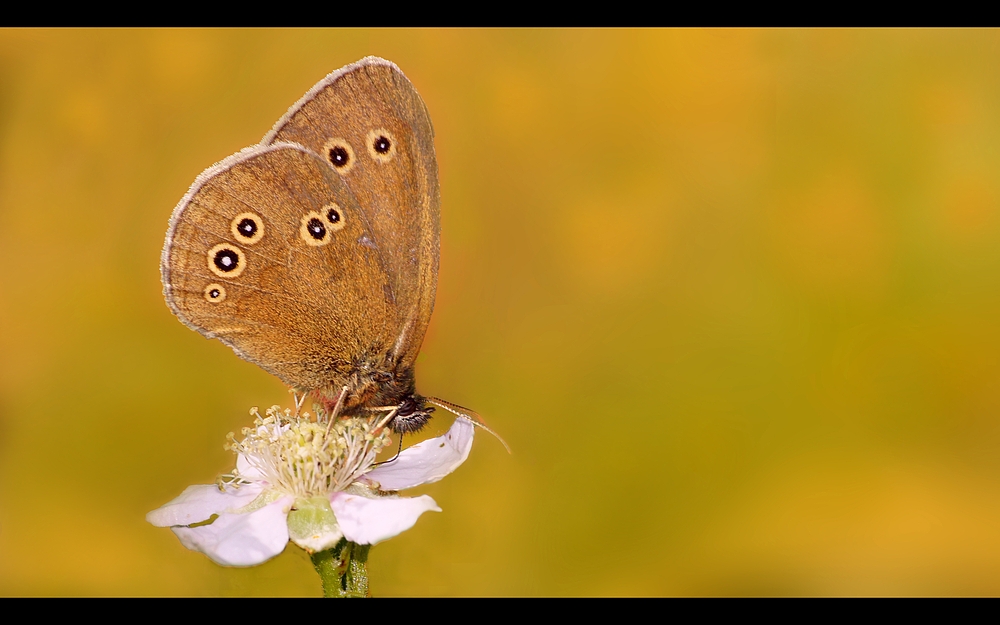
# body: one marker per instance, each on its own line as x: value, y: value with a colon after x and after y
x: 314, y: 254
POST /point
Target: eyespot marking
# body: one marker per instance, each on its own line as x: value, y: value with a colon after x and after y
x: 215, y: 293
x: 226, y: 260
x: 334, y: 216
x: 313, y: 229
x: 339, y: 153
x: 247, y: 228
x: 381, y: 145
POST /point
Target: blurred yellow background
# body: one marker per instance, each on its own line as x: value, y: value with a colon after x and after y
x: 732, y: 296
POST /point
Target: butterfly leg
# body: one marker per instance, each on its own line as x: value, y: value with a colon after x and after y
x: 331, y: 414
x: 392, y: 410
x: 297, y: 401
x: 398, y: 450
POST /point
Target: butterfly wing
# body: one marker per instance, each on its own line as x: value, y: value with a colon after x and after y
x: 270, y: 253
x: 370, y: 124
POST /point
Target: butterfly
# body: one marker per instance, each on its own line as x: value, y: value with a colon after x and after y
x: 314, y: 254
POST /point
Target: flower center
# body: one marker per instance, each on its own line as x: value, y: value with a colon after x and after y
x: 306, y: 458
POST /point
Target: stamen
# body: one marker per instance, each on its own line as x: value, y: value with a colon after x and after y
x: 306, y: 458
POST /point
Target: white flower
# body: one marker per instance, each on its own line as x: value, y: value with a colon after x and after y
x: 313, y: 483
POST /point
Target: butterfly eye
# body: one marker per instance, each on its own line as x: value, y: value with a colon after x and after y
x: 339, y: 153
x: 313, y: 229
x: 381, y: 145
x: 247, y: 227
x: 215, y: 293
x: 226, y: 261
x: 334, y: 216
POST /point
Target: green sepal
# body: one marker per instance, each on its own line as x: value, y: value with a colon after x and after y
x: 312, y: 525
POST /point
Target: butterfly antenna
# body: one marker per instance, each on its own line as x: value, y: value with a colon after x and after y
x: 472, y: 416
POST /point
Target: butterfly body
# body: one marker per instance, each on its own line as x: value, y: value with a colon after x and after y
x: 314, y: 254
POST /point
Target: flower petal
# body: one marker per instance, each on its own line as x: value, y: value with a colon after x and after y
x: 368, y: 521
x: 428, y: 461
x: 241, y: 539
x: 199, y: 502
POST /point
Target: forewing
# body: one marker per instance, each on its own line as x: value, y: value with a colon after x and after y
x: 349, y: 113
x: 299, y: 305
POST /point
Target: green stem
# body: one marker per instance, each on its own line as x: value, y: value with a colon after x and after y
x: 343, y: 569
